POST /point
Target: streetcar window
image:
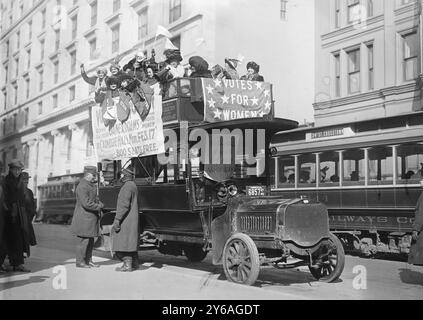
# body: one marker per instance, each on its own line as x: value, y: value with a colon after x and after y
x: 307, y: 170
x: 329, y: 165
x: 353, y: 167
x: 410, y: 163
x: 380, y: 165
x: 286, y: 166
x: 107, y: 173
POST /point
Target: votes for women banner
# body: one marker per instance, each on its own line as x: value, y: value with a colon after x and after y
x: 131, y: 138
x: 235, y: 99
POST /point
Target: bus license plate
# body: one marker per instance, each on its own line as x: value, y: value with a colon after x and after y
x: 255, y: 191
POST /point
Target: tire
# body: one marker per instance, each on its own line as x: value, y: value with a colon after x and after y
x: 195, y: 253
x: 241, y: 261
x: 332, y: 262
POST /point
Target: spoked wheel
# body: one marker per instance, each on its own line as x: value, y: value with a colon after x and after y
x: 195, y: 253
x: 330, y: 260
x: 241, y: 261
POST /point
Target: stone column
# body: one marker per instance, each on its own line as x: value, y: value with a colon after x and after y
x: 32, y: 154
x: 78, y: 147
x: 58, y: 160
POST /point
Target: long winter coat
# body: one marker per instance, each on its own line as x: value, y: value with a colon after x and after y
x: 31, y: 211
x: 416, y: 251
x: 126, y: 240
x: 85, y: 221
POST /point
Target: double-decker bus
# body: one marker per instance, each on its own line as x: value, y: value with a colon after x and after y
x: 367, y: 173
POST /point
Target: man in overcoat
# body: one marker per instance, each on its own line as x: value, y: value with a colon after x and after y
x: 2, y: 207
x: 125, y: 230
x: 16, y: 232
x: 416, y: 252
x: 30, y: 207
x: 85, y: 221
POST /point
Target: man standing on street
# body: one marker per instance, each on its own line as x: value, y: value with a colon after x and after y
x: 416, y: 252
x: 85, y: 221
x: 125, y: 230
x: 16, y: 222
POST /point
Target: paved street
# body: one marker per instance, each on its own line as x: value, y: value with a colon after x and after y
x: 167, y: 277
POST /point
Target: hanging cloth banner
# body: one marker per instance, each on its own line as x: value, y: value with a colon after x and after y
x: 132, y: 138
x: 236, y: 99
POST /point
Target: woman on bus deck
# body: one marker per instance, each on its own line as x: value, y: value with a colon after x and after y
x: 99, y: 81
x: 174, y: 69
x: 199, y: 68
x: 253, y: 70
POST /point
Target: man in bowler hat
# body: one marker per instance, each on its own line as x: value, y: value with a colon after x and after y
x: 85, y: 221
x: 125, y: 229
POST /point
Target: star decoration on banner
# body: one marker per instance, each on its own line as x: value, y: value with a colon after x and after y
x: 254, y: 101
x: 258, y: 85
x: 210, y: 89
x: 217, y: 113
x: 217, y: 83
x: 266, y: 93
x: 225, y: 99
x: 211, y: 103
x: 267, y: 106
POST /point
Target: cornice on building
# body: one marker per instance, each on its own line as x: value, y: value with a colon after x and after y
x: 367, y: 96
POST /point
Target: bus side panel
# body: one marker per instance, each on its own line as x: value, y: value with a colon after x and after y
x: 380, y: 198
x: 173, y: 223
x: 163, y: 197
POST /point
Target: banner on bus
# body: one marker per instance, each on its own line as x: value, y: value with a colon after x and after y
x: 236, y: 99
x: 131, y: 138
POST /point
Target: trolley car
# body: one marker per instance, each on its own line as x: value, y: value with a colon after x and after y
x: 193, y: 206
x: 367, y: 173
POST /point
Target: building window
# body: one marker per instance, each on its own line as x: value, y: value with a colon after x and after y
x: 337, y: 59
x: 28, y: 87
x: 73, y: 62
x: 26, y: 117
x: 17, y: 67
x: 74, y: 26
x: 4, y: 99
x: 18, y: 39
x: 43, y: 18
x: 354, y: 71
x: 56, y: 72
x: 93, y: 13
x: 337, y: 14
x: 57, y: 40
x: 115, y: 39
x: 353, y: 10
x: 15, y: 93
x: 369, y: 8
x: 15, y: 127
x: 4, y: 132
x: 41, y: 79
x: 55, y: 101
x: 6, y: 73
x: 370, y: 54
x: 28, y: 54
x: 411, y: 53
x: 93, y: 48
x: 30, y: 30
x: 283, y: 9
x: 71, y: 93
x: 25, y: 149
x: 40, y: 108
x: 174, y: 10
x: 42, y: 48
x: 21, y: 9
x: 14, y: 153
x: 142, y: 24
x: 7, y: 48
x: 116, y: 5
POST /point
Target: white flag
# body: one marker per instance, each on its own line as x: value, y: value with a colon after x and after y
x: 163, y: 31
x: 170, y: 46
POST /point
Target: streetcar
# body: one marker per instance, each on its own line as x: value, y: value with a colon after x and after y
x: 194, y: 205
x: 367, y: 173
x: 57, y: 199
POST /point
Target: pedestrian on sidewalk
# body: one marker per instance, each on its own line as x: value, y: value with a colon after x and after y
x: 85, y: 221
x: 16, y: 232
x: 30, y: 207
x: 125, y: 229
x: 416, y: 251
x: 3, y: 251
